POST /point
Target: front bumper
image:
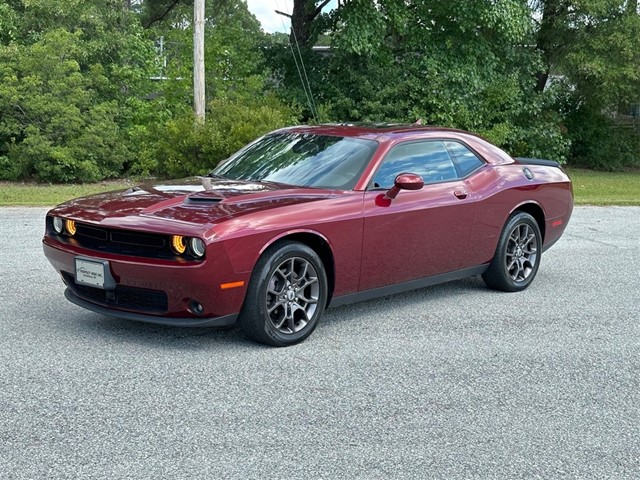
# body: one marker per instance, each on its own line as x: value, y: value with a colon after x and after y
x: 224, y: 321
x: 157, y: 291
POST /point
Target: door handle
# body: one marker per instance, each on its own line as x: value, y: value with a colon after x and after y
x: 460, y: 193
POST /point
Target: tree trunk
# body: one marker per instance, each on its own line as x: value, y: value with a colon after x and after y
x: 198, y: 60
x: 541, y: 80
x: 551, y: 23
x: 300, y: 27
x: 304, y: 13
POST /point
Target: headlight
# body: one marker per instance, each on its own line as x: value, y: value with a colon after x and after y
x: 178, y: 244
x: 58, y: 224
x: 70, y: 227
x: 197, y: 247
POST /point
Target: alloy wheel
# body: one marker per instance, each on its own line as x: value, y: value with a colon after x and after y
x: 292, y: 295
x: 521, y: 252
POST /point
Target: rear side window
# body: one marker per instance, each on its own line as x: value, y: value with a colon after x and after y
x: 464, y: 159
x: 429, y: 159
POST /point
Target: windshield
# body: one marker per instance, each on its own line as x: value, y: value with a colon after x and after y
x: 301, y: 159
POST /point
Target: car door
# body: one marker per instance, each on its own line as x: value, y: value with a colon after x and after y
x: 419, y: 233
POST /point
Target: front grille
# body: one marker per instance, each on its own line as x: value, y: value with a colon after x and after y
x: 138, y: 239
x: 132, y: 298
x: 91, y: 232
x: 123, y: 242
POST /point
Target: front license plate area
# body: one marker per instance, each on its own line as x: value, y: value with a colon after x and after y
x: 91, y: 273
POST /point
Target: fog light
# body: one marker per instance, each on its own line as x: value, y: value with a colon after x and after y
x: 197, y: 247
x: 178, y: 244
x: 196, y: 307
x: 70, y: 226
x: 58, y: 224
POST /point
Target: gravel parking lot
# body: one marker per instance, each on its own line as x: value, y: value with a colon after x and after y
x: 452, y: 381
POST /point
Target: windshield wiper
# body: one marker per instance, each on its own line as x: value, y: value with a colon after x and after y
x: 214, y: 175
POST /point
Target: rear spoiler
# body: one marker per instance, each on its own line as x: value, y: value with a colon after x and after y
x: 538, y: 161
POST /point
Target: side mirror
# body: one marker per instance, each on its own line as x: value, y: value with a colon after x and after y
x: 404, y: 181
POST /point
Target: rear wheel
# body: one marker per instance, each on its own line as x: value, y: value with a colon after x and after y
x: 286, y: 296
x: 517, y: 257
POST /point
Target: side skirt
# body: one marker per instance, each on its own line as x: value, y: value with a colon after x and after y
x: 406, y: 286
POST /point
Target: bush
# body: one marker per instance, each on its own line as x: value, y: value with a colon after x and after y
x: 58, y: 121
x: 184, y: 148
x: 601, y: 144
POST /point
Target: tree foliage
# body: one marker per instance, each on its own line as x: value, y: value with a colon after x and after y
x: 459, y: 64
x: 69, y: 77
x: 591, y: 50
x: 77, y: 100
x: 183, y: 150
x: 233, y: 60
x: 482, y: 66
x: 86, y: 93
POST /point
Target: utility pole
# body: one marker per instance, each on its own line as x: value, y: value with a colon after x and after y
x: 198, y: 60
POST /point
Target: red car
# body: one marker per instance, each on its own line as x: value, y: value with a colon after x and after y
x: 309, y: 217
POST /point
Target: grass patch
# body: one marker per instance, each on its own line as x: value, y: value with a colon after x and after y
x: 38, y: 195
x: 589, y: 188
x: 605, y: 188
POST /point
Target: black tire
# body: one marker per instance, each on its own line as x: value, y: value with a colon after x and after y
x: 517, y: 257
x: 286, y: 297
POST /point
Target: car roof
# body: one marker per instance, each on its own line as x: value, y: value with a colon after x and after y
x: 371, y: 130
x: 391, y: 133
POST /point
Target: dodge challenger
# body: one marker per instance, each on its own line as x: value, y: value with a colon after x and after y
x: 309, y: 217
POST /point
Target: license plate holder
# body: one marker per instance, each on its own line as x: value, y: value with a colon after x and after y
x: 92, y: 273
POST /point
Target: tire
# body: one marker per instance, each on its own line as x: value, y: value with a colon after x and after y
x: 286, y: 297
x: 517, y: 257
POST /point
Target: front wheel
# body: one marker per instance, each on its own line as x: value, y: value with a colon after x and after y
x: 517, y: 257
x: 286, y: 296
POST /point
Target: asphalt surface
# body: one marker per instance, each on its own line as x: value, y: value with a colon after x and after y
x: 453, y: 381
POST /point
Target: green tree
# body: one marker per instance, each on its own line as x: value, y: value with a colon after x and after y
x: 592, y: 50
x: 55, y: 125
x: 232, y: 122
x: 233, y: 60
x: 458, y: 64
x: 71, y: 78
x: 240, y: 106
x: 9, y: 14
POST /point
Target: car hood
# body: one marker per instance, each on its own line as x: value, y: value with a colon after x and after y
x: 197, y: 201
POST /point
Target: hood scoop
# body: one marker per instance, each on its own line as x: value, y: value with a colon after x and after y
x: 208, y: 197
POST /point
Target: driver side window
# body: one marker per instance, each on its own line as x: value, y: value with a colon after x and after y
x: 429, y: 159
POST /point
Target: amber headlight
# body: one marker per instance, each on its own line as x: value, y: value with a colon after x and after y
x: 70, y: 227
x: 58, y: 224
x: 197, y: 247
x: 178, y: 244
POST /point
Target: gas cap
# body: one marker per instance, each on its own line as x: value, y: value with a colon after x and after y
x: 528, y: 173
